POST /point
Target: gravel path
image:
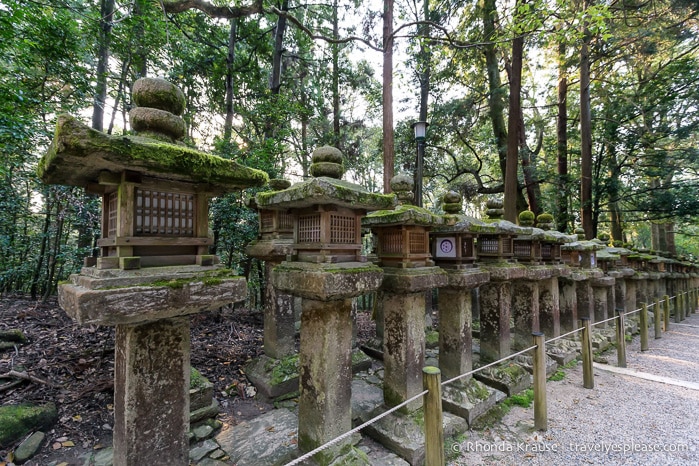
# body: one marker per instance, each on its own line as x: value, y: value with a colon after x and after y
x: 624, y: 420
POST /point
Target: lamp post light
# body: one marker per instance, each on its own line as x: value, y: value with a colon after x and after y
x: 420, y: 128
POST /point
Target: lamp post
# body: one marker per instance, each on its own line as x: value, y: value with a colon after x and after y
x: 420, y: 128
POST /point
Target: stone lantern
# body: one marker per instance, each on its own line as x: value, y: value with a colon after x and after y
x: 403, y: 253
x: 498, y: 246
x: 454, y: 244
x: 154, y: 269
x: 326, y: 269
x: 527, y: 248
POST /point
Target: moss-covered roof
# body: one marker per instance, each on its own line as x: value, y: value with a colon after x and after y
x: 402, y: 215
x: 324, y: 190
x: 78, y: 154
x: 606, y: 255
x: 505, y: 227
x: 582, y: 246
x: 464, y: 224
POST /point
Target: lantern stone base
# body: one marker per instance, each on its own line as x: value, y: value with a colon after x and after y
x: 507, y: 377
x: 118, y: 297
x: 325, y: 361
x: 470, y: 399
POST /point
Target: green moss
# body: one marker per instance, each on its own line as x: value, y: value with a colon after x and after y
x: 418, y: 416
x: 524, y: 399
x: 557, y: 376
x: 16, y: 421
x: 196, y: 380
x: 432, y: 337
x: 492, y: 417
x: 283, y: 369
x: 477, y: 391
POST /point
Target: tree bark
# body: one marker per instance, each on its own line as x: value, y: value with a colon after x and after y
x: 513, y: 129
x: 496, y: 92
x: 387, y: 97
x: 104, y: 40
x: 336, y: 77
x: 230, y: 59
x: 585, y: 135
x: 563, y: 191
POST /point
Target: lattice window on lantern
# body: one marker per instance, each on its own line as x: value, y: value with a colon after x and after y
x: 417, y: 242
x: 286, y: 221
x: 342, y: 229
x: 392, y: 242
x: 112, y: 214
x: 164, y: 214
x: 523, y: 248
x: 309, y: 228
x: 266, y: 220
x: 536, y: 247
x: 488, y: 245
x: 507, y: 245
x: 547, y: 251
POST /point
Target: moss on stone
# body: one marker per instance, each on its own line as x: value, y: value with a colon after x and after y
x: 78, y: 154
x: 196, y: 380
x: 16, y: 421
x: 283, y: 369
x: 432, y: 337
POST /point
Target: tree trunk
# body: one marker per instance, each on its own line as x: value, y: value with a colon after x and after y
x: 424, y: 78
x: 141, y: 56
x: 513, y: 129
x: 585, y: 135
x: 279, y: 31
x: 563, y: 191
x: 104, y: 39
x: 387, y: 98
x: 496, y: 92
x: 336, y: 77
x: 230, y: 59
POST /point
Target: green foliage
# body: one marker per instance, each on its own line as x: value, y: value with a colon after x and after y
x: 523, y: 399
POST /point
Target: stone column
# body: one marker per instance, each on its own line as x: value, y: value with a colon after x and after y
x: 279, y: 319
x: 586, y: 300
x: 630, y: 302
x: 325, y: 377
x: 455, y: 318
x: 549, y: 308
x: 151, y: 393
x: 600, y: 289
x: 525, y: 312
x: 403, y: 301
x: 495, y: 340
x: 568, y: 304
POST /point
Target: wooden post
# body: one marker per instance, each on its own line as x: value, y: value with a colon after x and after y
x: 657, y: 319
x: 666, y: 312
x: 434, y: 430
x: 588, y: 376
x: 644, y: 327
x: 679, y: 308
x: 620, y: 339
x: 540, y: 408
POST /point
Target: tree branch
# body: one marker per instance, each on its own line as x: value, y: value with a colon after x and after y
x: 214, y: 11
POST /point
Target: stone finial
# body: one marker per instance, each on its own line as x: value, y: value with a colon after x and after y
x: 452, y: 202
x: 327, y: 161
x: 495, y: 209
x: 580, y: 233
x: 159, y: 106
x: 402, y: 185
x: 545, y: 221
x: 604, y: 237
x: 526, y: 218
x: 277, y: 184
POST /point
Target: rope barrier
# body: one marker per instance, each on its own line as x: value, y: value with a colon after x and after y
x: 466, y: 374
x: 563, y: 336
x: 353, y: 431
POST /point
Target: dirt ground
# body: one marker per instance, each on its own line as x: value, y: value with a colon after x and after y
x: 73, y: 366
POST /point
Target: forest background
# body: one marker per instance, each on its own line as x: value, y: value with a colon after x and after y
x: 583, y: 109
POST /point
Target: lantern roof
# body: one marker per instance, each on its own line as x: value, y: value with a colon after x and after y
x: 402, y: 215
x: 324, y: 191
x: 80, y: 155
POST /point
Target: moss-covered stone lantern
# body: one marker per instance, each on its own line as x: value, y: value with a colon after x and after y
x: 454, y: 243
x: 327, y: 269
x: 154, y: 269
x: 498, y: 246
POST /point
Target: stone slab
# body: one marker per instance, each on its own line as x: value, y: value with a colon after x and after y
x: 267, y: 440
x: 327, y: 282
x: 403, y: 434
x: 507, y: 377
x: 413, y: 280
x: 470, y: 399
x: 147, y: 297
